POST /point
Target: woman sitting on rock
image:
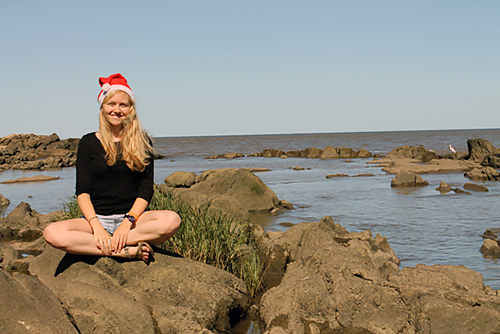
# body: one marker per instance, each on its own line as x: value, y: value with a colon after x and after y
x: 114, y: 184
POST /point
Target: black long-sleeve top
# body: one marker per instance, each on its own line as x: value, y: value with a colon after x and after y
x: 112, y: 189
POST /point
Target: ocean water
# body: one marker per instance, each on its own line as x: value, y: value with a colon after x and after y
x: 422, y: 225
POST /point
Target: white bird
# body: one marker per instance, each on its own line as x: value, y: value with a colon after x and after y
x: 452, y: 149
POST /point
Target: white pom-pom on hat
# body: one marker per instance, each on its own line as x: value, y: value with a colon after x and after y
x: 106, y: 87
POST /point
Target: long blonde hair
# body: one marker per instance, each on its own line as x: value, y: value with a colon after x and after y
x: 135, y: 149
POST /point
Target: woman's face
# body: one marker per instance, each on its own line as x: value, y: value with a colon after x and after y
x: 116, y: 109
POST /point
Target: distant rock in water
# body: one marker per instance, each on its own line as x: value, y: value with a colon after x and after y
x: 36, y: 178
x: 309, y: 153
x: 408, y: 179
x: 29, y: 151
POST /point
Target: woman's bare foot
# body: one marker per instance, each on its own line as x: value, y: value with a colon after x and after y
x: 142, y: 251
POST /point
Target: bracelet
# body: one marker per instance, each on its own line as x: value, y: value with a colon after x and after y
x: 133, y: 215
x: 91, y: 219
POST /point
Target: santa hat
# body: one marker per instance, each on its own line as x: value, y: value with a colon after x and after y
x: 111, y: 83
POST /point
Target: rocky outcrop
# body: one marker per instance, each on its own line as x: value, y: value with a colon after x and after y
x: 408, y: 179
x: 480, y: 149
x: 483, y: 174
x: 25, y: 224
x: 237, y: 192
x: 412, y: 152
x: 29, y: 151
x: 329, y: 152
x: 327, y: 280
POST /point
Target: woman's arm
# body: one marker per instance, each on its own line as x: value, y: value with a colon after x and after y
x: 119, y: 239
x: 101, y: 236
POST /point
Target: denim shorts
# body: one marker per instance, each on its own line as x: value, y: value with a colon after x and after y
x: 111, y: 222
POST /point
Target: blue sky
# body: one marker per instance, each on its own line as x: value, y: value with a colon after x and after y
x: 252, y: 67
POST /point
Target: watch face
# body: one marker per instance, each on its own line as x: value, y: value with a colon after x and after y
x: 131, y: 218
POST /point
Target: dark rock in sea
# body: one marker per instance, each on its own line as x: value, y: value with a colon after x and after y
x: 479, y: 149
x: 330, y: 176
x: 408, y: 179
x: 475, y: 187
x: 443, y: 187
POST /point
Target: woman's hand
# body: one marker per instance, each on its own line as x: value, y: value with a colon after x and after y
x: 103, y: 240
x: 119, y: 239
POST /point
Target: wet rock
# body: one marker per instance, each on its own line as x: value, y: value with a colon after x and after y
x: 408, y: 179
x: 475, y: 187
x: 490, y: 248
x: 298, y: 168
x: 460, y: 191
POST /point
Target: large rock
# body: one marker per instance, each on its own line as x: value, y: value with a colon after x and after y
x: 479, y: 149
x: 27, y: 306
x: 408, y: 179
x: 340, y: 282
x: 236, y: 192
x: 171, y: 295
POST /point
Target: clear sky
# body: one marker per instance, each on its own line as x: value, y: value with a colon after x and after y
x: 212, y: 67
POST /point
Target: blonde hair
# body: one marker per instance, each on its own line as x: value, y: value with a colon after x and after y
x: 135, y: 149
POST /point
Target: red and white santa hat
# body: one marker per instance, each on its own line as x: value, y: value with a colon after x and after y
x: 111, y: 83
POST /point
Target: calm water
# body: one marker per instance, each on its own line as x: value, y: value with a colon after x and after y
x: 422, y: 225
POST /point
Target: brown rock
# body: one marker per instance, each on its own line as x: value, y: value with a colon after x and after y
x: 171, y: 295
x: 479, y: 149
x: 36, y: 178
x: 483, y: 174
x: 236, y: 192
x: 475, y: 187
x: 330, y: 176
x: 408, y: 179
x: 181, y: 179
x: 443, y: 187
x: 490, y: 248
x: 341, y: 282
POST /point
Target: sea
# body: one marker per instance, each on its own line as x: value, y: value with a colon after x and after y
x: 421, y: 224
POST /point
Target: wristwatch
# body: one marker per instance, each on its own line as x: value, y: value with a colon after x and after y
x: 130, y: 217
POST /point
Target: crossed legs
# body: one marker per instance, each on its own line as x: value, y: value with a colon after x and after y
x: 75, y: 235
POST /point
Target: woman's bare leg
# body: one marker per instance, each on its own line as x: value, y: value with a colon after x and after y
x: 75, y: 236
x: 154, y: 227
